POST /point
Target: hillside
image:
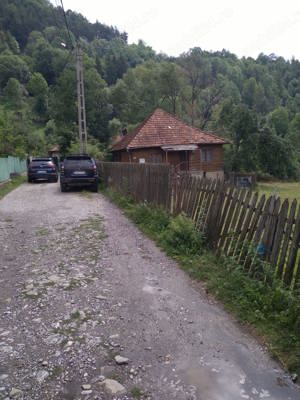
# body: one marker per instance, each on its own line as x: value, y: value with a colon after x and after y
x: 256, y: 103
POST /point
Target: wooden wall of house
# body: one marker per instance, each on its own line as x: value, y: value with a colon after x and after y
x: 212, y: 169
x: 216, y: 164
x: 151, y: 155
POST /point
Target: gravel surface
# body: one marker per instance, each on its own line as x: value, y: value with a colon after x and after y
x: 91, y: 309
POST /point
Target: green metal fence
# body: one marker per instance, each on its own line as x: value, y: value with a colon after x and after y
x: 11, y: 165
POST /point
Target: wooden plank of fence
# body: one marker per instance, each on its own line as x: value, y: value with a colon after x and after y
x: 227, y: 220
x: 235, y: 248
x: 181, y: 186
x: 209, y: 200
x: 191, y: 197
x: 214, y: 213
x: 252, y: 255
x: 289, y: 270
x: 251, y: 232
x: 236, y: 211
x: 286, y: 240
x: 195, y: 201
x: 262, y: 221
x: 186, y: 193
x: 297, y: 276
x: 270, y: 227
x: 279, y: 235
x: 201, y: 205
x: 247, y: 225
x: 227, y: 201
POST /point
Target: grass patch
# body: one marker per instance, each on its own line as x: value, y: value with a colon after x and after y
x: 75, y: 315
x: 136, y: 392
x: 86, y: 194
x: 92, y: 225
x: 73, y: 284
x: 11, y: 185
x: 42, y: 232
x: 56, y: 372
x: 285, y: 190
x: 271, y: 311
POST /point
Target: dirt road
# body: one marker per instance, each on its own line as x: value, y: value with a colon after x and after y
x: 81, y: 285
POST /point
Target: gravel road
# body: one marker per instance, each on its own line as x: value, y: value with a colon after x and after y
x: 80, y: 286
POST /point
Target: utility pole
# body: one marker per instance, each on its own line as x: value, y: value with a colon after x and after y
x: 81, y: 102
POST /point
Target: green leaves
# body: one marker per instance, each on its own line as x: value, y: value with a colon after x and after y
x: 12, y: 66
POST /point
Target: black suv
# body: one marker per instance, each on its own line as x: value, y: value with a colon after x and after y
x: 79, y: 170
x: 42, y: 168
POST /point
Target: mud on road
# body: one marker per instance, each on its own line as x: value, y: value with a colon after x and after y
x: 80, y: 285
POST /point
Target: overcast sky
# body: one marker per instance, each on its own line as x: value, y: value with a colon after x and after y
x: 243, y: 27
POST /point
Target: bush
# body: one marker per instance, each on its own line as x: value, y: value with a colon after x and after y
x: 181, y: 237
x: 153, y: 220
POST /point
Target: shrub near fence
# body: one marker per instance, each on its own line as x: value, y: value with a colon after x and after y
x: 11, y: 165
x: 237, y: 222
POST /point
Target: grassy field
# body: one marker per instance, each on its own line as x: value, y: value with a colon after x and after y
x: 9, y: 186
x: 289, y: 190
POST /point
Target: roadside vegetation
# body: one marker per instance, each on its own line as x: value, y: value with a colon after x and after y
x: 266, y: 309
x: 285, y: 190
x: 8, y: 187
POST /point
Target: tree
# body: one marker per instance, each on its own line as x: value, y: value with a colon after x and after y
x: 276, y: 155
x: 98, y: 108
x: 13, y: 93
x: 12, y: 66
x: 171, y: 83
x: 279, y: 121
x: 197, y: 70
x: 241, y: 125
x: 38, y: 88
x: 137, y: 94
x: 294, y: 133
x: 8, y: 42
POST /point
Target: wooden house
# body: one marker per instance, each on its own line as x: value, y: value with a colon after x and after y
x: 163, y: 138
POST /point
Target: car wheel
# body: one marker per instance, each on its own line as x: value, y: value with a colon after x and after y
x: 63, y: 188
x: 94, y: 188
x: 29, y: 180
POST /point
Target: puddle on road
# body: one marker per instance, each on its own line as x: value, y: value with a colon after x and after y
x: 211, y: 384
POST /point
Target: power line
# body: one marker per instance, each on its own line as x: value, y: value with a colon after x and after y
x: 66, y: 23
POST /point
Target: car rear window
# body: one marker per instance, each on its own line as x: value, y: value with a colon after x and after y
x: 83, y: 162
x: 44, y: 162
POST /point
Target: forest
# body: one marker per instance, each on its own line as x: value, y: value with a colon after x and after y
x: 253, y: 102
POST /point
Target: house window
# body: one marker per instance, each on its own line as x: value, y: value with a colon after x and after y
x: 155, y: 158
x: 206, y: 155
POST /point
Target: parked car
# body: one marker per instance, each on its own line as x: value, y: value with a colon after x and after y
x: 79, y: 170
x: 42, y: 168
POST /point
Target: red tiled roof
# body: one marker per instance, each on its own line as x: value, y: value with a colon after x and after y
x: 162, y: 129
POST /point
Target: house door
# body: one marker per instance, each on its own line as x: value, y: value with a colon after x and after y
x: 184, y: 160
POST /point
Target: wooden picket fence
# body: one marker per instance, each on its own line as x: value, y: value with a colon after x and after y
x: 261, y: 234
x: 143, y: 182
